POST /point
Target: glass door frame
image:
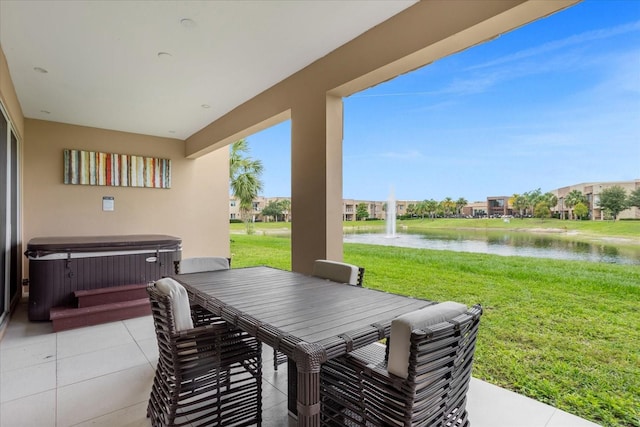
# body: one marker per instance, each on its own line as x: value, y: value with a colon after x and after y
x: 11, y: 279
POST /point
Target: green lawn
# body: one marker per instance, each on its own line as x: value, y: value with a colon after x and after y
x: 566, y: 333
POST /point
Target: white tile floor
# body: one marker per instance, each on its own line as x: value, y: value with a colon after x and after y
x: 101, y: 376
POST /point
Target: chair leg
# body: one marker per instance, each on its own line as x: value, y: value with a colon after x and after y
x: 278, y: 359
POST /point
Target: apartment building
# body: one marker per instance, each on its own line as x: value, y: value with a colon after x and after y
x: 375, y: 209
x: 498, y: 206
x: 494, y: 206
x: 475, y: 209
x: 592, y: 191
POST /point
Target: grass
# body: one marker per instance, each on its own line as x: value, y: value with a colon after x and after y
x: 566, y: 333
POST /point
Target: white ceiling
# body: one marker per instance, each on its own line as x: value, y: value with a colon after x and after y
x: 104, y: 70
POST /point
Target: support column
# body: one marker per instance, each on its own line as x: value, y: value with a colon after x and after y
x: 316, y: 181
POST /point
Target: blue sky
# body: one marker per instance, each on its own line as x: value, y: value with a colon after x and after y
x: 551, y: 104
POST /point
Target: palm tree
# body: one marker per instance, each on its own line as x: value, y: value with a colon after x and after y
x: 421, y: 208
x: 461, y: 203
x: 532, y: 197
x: 448, y: 205
x: 431, y: 206
x: 286, y: 208
x: 572, y: 199
x: 550, y: 199
x: 520, y: 203
x: 244, y: 178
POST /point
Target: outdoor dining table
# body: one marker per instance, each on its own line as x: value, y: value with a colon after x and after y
x: 309, y: 319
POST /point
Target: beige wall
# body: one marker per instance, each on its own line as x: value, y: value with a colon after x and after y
x: 195, y: 208
x: 9, y: 98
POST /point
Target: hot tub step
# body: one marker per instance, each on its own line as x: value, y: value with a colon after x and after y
x: 64, y: 318
x: 92, y: 297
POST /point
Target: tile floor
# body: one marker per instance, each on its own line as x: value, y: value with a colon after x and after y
x: 101, y: 376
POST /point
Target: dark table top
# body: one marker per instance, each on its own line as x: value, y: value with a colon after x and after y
x: 302, y: 308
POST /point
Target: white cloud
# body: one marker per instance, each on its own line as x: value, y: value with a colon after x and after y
x: 574, y: 40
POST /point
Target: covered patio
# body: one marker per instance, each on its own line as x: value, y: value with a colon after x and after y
x: 101, y: 376
x: 180, y: 81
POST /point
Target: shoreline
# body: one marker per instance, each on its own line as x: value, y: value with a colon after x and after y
x: 560, y: 233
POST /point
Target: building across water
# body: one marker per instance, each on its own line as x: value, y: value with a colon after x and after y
x: 494, y: 206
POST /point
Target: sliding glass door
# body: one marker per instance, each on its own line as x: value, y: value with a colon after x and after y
x: 4, y: 220
x: 10, y: 253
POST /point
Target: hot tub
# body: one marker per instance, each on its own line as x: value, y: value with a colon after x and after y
x: 58, y: 266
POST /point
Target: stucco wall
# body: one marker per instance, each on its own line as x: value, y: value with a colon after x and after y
x: 9, y: 98
x: 195, y: 208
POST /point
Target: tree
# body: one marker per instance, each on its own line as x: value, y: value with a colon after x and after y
x: 580, y: 210
x: 244, y: 179
x: 634, y: 198
x: 431, y: 207
x: 461, y: 203
x: 541, y: 210
x: 519, y: 203
x: 286, y: 209
x: 572, y: 199
x: 448, y: 206
x: 273, y: 209
x: 613, y: 200
x: 361, y: 211
x: 532, y: 197
x: 550, y: 199
x: 420, y: 209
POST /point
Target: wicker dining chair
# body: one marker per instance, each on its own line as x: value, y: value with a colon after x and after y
x: 338, y: 272
x: 419, y: 381
x: 333, y: 270
x: 200, y: 264
x: 207, y: 375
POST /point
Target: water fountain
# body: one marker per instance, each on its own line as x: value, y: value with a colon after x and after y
x: 390, y: 216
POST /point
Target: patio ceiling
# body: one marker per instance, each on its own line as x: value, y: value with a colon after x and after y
x: 167, y: 68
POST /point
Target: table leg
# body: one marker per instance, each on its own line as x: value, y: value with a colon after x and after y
x: 292, y: 386
x: 309, y: 358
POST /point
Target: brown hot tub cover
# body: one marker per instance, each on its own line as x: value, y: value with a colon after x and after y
x: 58, y: 266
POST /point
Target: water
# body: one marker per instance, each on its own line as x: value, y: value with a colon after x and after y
x: 505, y: 244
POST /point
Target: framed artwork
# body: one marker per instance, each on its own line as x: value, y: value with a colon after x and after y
x: 120, y: 170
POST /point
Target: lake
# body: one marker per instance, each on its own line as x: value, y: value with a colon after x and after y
x: 502, y: 243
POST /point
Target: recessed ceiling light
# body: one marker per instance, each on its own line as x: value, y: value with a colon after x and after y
x: 164, y: 55
x: 205, y: 106
x: 188, y: 23
x: 40, y: 70
x: 45, y: 112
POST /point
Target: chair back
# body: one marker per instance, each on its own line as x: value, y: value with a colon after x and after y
x: 171, y: 298
x: 200, y: 264
x: 164, y: 324
x: 338, y: 271
x: 439, y: 369
x: 403, y: 327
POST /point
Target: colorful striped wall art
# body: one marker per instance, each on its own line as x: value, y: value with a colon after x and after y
x: 121, y: 170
